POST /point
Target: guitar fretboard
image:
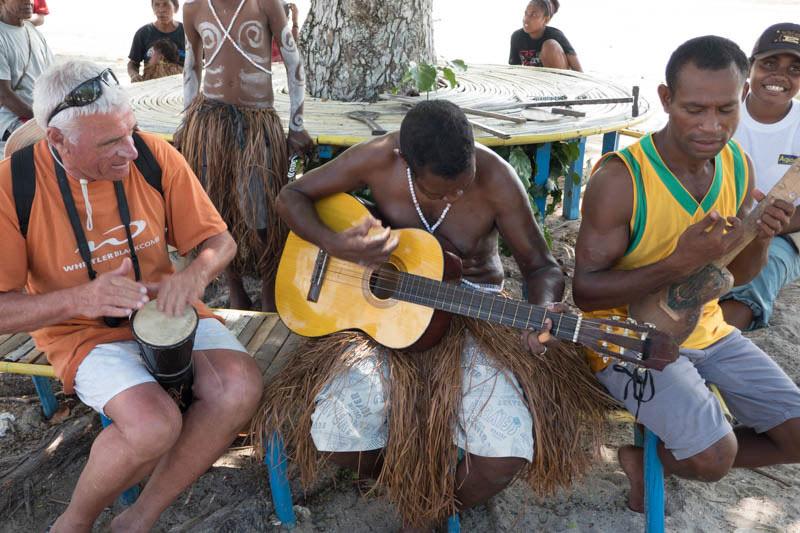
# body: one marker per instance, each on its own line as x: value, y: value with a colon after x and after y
x: 483, y: 305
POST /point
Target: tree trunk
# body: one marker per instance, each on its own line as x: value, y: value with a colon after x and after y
x: 355, y: 49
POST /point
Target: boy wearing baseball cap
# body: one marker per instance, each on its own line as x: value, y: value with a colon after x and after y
x: 769, y: 130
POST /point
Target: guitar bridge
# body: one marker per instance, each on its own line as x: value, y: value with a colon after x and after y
x: 318, y: 275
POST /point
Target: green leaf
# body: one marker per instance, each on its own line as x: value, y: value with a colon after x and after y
x: 521, y: 164
x: 458, y: 64
x: 576, y: 178
x: 424, y: 76
x: 450, y: 76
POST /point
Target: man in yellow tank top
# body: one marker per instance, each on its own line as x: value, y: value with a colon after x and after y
x: 658, y: 211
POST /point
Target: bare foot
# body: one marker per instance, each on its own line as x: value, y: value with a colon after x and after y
x: 127, y: 521
x: 631, y: 459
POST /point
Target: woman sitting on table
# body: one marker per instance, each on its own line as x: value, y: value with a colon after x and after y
x: 538, y: 45
x: 165, y: 27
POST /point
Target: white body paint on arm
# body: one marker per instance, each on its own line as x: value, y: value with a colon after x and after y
x: 295, y: 76
x: 191, y: 85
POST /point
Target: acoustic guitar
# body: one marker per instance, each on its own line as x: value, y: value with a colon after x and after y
x: 317, y: 294
x: 676, y: 308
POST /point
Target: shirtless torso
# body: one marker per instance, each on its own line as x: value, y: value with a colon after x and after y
x: 235, y: 37
x: 490, y: 203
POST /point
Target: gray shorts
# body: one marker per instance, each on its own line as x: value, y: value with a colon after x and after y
x: 351, y: 411
x: 686, y: 415
x: 117, y: 366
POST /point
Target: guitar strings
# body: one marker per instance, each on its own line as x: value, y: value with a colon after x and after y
x: 392, y: 277
x: 588, y: 326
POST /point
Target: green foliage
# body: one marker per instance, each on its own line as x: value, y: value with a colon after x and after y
x: 425, y: 77
x: 523, y: 160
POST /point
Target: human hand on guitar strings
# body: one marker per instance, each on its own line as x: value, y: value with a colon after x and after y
x: 776, y: 216
x: 711, y: 238
x: 369, y: 244
x: 537, y: 341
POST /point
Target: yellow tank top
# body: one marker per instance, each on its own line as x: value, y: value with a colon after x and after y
x: 662, y: 210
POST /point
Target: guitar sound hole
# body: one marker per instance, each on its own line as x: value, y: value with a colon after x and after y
x: 383, y: 281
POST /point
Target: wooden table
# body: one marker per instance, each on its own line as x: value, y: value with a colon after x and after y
x: 498, y: 88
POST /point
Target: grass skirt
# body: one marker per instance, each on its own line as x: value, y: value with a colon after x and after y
x: 231, y: 142
x: 565, y: 400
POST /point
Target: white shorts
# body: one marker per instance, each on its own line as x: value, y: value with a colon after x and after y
x: 117, y: 366
x: 351, y: 410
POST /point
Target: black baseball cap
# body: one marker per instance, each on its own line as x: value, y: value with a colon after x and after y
x: 783, y: 38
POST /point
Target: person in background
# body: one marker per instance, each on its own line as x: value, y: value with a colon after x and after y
x: 24, y: 55
x: 39, y: 11
x: 769, y: 130
x: 165, y: 27
x: 164, y: 60
x: 289, y: 8
x: 538, y: 45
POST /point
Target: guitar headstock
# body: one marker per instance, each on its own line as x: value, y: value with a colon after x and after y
x: 642, y: 345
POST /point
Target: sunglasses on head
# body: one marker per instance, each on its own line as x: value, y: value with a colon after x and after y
x: 85, y: 93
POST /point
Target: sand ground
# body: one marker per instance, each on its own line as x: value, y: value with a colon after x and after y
x: 632, y: 43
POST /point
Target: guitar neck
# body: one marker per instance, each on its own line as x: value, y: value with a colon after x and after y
x: 483, y: 305
x: 786, y: 189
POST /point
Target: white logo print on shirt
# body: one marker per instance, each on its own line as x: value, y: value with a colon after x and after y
x: 140, y: 226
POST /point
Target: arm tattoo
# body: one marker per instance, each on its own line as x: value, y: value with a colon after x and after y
x: 295, y: 77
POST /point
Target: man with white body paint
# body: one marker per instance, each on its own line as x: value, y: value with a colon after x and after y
x: 232, y: 137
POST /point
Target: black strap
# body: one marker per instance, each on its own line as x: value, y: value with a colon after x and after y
x: 23, y: 185
x: 638, y: 381
x: 23, y: 177
x: 72, y: 212
x: 147, y: 164
x: 125, y: 217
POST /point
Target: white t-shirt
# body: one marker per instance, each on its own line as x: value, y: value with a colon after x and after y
x: 13, y: 58
x: 772, y: 147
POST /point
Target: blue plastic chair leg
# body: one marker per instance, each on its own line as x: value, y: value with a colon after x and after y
x: 132, y: 494
x: 653, y: 485
x: 610, y: 142
x: 46, y: 396
x: 542, y: 171
x: 275, y: 459
x: 572, y: 191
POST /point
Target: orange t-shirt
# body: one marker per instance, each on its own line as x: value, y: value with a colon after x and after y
x: 48, y: 259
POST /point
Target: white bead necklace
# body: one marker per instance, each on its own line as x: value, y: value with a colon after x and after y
x: 428, y: 227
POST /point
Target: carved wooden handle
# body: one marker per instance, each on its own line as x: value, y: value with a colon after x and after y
x: 788, y: 189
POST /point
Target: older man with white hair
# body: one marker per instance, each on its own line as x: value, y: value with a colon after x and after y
x: 94, y: 249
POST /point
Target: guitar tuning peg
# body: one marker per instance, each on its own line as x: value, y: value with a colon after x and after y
x: 615, y: 317
x: 631, y: 320
x: 650, y: 325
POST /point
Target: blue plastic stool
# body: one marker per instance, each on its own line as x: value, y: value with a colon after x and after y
x: 276, y: 462
x: 654, y: 471
x: 653, y: 481
x: 46, y: 396
x: 130, y: 495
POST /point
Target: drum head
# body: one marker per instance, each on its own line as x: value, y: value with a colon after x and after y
x: 155, y: 328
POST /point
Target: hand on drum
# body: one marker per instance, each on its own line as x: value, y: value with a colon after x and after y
x: 111, y: 294
x: 177, y: 291
x: 537, y: 341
